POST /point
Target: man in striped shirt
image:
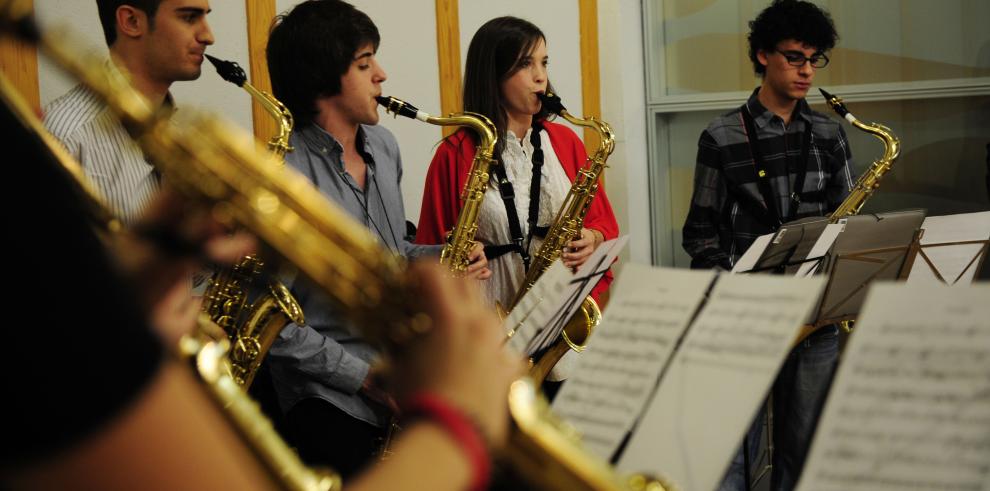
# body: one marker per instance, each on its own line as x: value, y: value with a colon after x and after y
x: 157, y: 42
x: 767, y: 162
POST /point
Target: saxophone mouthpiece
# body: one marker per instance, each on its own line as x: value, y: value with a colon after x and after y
x: 399, y: 107
x: 551, y: 102
x: 229, y: 70
x: 835, y: 103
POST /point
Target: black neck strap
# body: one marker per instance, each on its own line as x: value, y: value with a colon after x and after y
x: 520, y: 244
x: 773, y: 214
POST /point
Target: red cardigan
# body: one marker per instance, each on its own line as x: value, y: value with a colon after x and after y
x: 448, y: 175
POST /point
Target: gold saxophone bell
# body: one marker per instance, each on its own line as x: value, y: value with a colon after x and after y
x: 574, y: 337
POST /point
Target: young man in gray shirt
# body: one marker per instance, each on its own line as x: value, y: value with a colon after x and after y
x: 321, y: 58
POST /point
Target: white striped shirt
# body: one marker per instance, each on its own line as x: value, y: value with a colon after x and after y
x: 108, y: 155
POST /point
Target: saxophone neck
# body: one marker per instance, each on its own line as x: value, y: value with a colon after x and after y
x: 606, y: 137
x: 892, y: 144
x: 233, y: 73
x: 479, y: 123
x: 279, y: 143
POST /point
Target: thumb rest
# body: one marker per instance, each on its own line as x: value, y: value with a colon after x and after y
x: 223, y: 168
x: 566, y: 226
x: 460, y: 240
x: 252, y: 327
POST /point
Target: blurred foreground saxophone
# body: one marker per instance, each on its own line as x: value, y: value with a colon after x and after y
x: 206, y: 349
x: 566, y: 227
x: 460, y: 239
x: 223, y: 169
x: 252, y: 326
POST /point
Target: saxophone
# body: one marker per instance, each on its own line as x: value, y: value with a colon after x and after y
x: 252, y: 327
x: 206, y: 349
x: 224, y: 169
x: 460, y: 239
x: 566, y: 227
x: 869, y: 182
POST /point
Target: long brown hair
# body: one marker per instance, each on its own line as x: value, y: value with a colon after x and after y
x: 494, y: 55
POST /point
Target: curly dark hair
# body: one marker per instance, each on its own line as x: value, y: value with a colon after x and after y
x: 790, y: 19
x: 311, y: 48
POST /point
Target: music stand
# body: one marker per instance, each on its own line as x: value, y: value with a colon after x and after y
x: 952, y: 248
x: 871, y: 248
x: 790, y: 246
x: 974, y: 264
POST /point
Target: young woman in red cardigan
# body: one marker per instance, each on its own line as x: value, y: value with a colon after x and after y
x: 506, y: 67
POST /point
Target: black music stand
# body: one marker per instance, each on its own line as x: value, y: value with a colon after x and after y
x: 870, y: 248
x: 790, y: 246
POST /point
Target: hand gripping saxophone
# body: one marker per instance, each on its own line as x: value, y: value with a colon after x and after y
x: 460, y: 240
x: 252, y: 326
x: 566, y: 227
x: 224, y: 170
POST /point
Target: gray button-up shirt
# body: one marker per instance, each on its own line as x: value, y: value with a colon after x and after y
x: 327, y: 358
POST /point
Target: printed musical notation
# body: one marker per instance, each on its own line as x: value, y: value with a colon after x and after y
x: 536, y: 307
x: 615, y: 376
x: 538, y: 320
x: 718, y: 378
x: 950, y: 249
x: 910, y: 406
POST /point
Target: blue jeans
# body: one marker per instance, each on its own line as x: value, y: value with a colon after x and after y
x: 798, y: 396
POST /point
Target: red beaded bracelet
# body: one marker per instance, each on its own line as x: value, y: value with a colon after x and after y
x: 459, y: 426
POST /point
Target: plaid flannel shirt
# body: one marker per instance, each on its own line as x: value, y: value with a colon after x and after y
x: 722, y: 222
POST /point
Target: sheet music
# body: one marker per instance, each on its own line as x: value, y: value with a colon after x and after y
x: 616, y: 375
x: 569, y: 300
x: 910, y: 406
x: 749, y: 258
x: 824, y: 243
x: 950, y: 260
x: 719, y: 378
x: 537, y: 306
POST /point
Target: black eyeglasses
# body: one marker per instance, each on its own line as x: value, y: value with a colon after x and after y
x: 797, y: 58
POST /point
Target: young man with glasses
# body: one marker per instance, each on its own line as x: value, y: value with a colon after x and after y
x: 770, y: 161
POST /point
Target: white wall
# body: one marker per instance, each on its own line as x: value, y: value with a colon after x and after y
x: 620, y: 45
x: 210, y: 93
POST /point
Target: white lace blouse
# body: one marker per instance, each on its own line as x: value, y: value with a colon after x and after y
x: 493, y: 223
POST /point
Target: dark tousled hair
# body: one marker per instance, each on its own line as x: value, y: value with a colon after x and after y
x: 790, y: 19
x: 311, y: 48
x: 494, y: 55
x: 108, y: 14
